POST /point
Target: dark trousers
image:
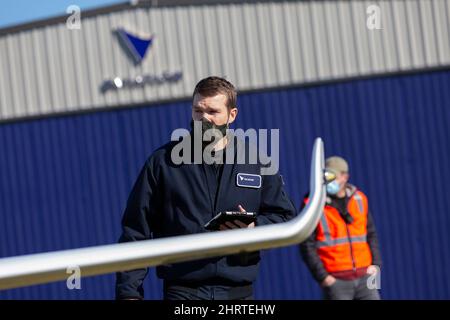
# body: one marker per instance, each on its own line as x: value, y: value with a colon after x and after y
x: 177, y: 291
x: 350, y: 290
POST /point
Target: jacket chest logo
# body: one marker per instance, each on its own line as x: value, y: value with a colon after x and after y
x: 247, y: 180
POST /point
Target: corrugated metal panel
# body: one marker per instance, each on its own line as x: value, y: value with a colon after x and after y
x: 64, y: 181
x: 256, y: 45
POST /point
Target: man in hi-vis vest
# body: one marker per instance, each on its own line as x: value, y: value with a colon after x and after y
x: 342, y: 253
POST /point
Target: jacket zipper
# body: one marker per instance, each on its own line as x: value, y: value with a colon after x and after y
x: 350, y: 239
x: 351, y: 247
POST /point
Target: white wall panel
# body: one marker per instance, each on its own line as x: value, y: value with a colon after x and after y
x: 49, y: 68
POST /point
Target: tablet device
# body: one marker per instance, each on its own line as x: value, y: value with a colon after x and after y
x: 224, y: 216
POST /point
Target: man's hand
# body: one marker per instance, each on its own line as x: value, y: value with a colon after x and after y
x: 328, y: 281
x: 372, y: 270
x: 237, y: 224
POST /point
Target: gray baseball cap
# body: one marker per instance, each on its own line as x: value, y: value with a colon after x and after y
x: 336, y: 164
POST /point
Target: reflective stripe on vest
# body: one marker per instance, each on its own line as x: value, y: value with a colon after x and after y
x: 332, y: 242
x: 359, y: 201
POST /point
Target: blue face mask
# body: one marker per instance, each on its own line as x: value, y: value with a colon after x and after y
x: 333, y: 187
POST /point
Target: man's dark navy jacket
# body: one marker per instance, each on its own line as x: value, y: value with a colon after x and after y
x: 171, y: 200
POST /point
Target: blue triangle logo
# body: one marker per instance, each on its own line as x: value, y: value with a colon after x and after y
x: 137, y: 46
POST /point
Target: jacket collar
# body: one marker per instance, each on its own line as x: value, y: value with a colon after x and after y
x: 350, y: 190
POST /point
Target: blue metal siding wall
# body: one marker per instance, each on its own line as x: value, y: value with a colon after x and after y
x: 64, y: 181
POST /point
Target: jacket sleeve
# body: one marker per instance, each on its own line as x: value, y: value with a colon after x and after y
x: 275, y: 204
x: 308, y: 251
x: 372, y: 240
x: 136, y: 226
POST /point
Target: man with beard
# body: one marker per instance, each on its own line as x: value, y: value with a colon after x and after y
x: 171, y: 199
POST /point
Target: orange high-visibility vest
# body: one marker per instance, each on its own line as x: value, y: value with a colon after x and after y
x: 342, y: 246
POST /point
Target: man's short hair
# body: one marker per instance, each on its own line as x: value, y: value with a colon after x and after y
x: 212, y: 86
